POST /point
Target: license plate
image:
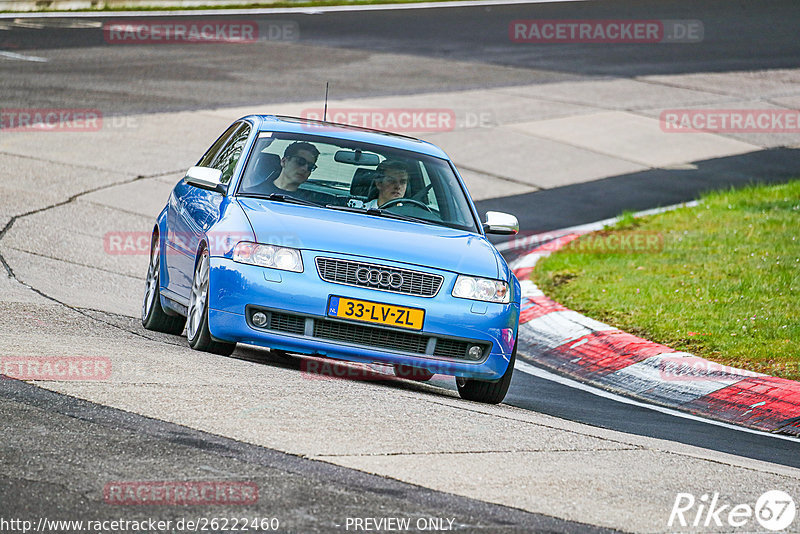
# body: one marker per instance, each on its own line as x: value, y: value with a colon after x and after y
x: 376, y: 312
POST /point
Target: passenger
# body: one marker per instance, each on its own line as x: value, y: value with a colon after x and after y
x: 391, y: 181
x: 298, y: 162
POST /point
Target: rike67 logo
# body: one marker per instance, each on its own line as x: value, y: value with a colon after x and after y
x: 774, y: 510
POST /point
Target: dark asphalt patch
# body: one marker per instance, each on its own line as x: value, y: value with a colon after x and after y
x: 66, y: 450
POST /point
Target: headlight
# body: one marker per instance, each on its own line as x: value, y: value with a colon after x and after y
x: 470, y: 287
x: 283, y: 258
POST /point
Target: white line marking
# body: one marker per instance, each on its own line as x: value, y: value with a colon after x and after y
x: 12, y: 55
x: 41, y: 24
x: 279, y: 11
x: 547, y: 375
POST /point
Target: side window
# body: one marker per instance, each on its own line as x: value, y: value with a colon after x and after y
x: 227, y: 158
x: 206, y: 160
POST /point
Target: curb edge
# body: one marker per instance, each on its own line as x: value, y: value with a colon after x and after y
x: 592, y: 352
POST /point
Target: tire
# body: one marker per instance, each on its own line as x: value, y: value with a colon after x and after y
x: 489, y: 392
x: 153, y: 315
x: 412, y: 373
x: 197, y: 331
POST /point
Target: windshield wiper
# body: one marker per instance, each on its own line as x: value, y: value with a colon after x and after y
x: 281, y: 198
x: 381, y: 213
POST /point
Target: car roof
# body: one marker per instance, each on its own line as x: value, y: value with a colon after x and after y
x: 283, y: 123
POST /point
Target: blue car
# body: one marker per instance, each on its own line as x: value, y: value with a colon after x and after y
x: 336, y: 241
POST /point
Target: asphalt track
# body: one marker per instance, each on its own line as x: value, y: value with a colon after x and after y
x: 455, y: 48
x: 314, y: 496
x: 334, y: 47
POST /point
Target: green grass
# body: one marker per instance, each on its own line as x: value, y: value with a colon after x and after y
x: 243, y: 5
x: 722, y: 283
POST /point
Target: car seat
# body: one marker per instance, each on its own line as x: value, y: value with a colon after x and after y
x: 266, y: 168
x: 363, y: 184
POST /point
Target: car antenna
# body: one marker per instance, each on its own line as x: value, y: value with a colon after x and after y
x: 325, y: 111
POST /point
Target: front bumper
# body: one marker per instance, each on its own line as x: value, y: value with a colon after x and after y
x: 297, y: 302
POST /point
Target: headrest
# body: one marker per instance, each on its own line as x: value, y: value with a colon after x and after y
x: 362, y: 182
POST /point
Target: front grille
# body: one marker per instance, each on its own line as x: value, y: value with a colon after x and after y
x: 345, y: 272
x: 451, y: 348
x: 285, y: 322
x: 370, y: 336
x: 364, y: 335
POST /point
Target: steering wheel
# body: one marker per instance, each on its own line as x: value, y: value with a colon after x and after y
x: 409, y: 200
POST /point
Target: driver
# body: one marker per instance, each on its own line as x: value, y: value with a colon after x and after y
x: 391, y: 181
x: 298, y: 162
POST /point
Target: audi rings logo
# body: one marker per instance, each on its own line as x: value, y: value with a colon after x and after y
x: 378, y: 277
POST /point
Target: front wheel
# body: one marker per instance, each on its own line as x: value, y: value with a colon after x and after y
x: 489, y: 392
x: 197, y: 331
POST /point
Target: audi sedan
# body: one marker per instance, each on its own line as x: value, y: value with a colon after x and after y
x: 340, y: 242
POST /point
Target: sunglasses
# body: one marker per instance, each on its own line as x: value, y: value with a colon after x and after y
x: 303, y: 162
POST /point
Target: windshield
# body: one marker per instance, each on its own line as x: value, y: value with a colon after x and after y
x: 357, y: 177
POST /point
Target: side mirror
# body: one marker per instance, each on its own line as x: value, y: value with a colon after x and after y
x: 500, y: 223
x: 206, y: 178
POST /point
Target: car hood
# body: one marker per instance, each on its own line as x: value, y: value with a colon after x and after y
x: 373, y: 237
